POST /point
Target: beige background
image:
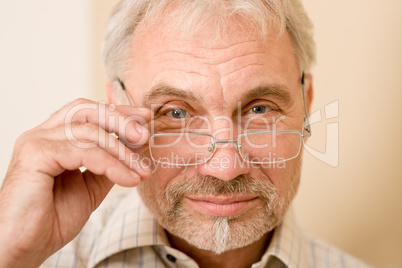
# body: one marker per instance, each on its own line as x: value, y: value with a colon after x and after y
x: 50, y: 54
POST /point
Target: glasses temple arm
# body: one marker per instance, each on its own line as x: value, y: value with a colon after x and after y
x: 123, y: 87
x: 307, y: 126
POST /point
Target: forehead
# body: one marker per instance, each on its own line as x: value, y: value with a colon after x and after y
x: 211, y: 63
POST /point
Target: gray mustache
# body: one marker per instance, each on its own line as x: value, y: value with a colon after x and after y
x: 209, y: 185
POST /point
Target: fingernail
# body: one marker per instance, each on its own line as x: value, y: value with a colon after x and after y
x: 139, y: 128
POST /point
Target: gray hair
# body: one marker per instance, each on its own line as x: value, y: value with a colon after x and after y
x: 287, y: 15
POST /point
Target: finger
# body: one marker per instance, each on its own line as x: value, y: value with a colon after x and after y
x: 97, y: 160
x: 129, y: 123
x: 86, y: 136
x: 127, y: 109
x: 89, y: 135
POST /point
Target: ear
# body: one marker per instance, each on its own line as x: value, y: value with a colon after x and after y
x: 309, y: 91
x: 110, y: 94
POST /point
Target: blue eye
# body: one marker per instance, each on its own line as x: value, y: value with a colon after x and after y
x: 260, y: 109
x: 177, y: 113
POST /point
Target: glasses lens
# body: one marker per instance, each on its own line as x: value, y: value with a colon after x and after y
x: 269, y: 147
x: 182, y: 149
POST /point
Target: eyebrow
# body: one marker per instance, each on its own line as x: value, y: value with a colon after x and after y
x: 162, y: 90
x: 282, y: 93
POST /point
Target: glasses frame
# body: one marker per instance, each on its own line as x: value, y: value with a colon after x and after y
x: 214, y: 142
x: 305, y: 133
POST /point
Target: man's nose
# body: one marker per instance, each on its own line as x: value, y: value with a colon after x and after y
x: 226, y: 163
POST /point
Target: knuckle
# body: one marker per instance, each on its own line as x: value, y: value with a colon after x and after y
x: 29, y: 140
x: 83, y: 110
x: 89, y: 127
x: 30, y: 147
x: 84, y: 135
x: 83, y: 114
x: 22, y: 137
x: 83, y: 130
x: 79, y: 101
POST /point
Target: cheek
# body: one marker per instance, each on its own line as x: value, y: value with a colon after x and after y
x: 163, y: 175
x: 152, y: 190
x: 285, y: 176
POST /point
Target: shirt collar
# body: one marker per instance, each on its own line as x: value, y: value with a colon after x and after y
x: 132, y: 225
x: 288, y: 246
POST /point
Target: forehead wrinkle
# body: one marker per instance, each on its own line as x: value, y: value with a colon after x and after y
x: 159, y: 54
x: 212, y: 55
x: 231, y: 72
x: 180, y: 61
x: 226, y: 46
x: 161, y: 90
x: 233, y: 58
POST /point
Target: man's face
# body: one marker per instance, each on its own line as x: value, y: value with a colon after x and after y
x: 225, y: 203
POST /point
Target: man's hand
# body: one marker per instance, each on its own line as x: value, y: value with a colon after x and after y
x: 46, y: 199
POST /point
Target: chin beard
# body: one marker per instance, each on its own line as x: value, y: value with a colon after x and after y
x: 220, y: 234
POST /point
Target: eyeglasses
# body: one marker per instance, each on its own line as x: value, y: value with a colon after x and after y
x: 261, y: 147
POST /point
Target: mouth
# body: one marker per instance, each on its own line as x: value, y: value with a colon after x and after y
x: 222, y: 206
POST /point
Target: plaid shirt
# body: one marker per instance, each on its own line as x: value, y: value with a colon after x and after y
x: 122, y: 232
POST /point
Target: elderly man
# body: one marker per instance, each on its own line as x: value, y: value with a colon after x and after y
x: 207, y: 113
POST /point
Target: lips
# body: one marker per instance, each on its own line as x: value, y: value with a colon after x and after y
x: 223, y: 206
